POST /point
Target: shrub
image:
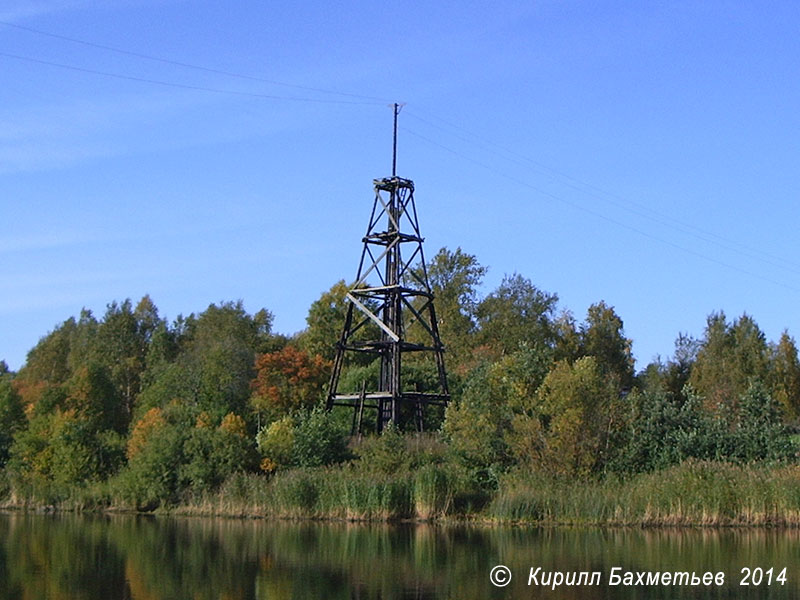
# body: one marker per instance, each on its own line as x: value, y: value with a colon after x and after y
x: 307, y: 439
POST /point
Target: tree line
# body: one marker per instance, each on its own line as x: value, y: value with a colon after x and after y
x: 152, y: 411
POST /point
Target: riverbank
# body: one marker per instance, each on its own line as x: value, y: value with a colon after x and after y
x: 696, y: 493
x: 692, y: 494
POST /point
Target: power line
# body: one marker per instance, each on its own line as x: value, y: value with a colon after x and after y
x: 600, y: 215
x: 616, y: 200
x: 182, y: 85
x: 487, y: 145
x: 189, y: 65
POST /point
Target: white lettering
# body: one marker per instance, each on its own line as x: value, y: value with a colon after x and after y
x: 680, y: 578
x: 558, y: 579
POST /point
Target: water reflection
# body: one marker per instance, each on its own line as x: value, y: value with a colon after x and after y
x: 145, y: 558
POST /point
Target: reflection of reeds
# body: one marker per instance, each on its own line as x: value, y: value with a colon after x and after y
x: 694, y: 493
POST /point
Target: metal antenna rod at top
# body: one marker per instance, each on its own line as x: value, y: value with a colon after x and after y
x: 396, y: 108
x: 394, y: 141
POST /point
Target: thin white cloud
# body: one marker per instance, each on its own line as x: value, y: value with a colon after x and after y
x: 33, y: 157
x: 43, y: 137
x: 36, y: 281
x: 14, y: 12
x: 43, y: 241
x: 54, y: 136
x: 54, y: 299
x: 53, y: 290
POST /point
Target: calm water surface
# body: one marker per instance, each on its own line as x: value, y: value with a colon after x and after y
x: 125, y: 557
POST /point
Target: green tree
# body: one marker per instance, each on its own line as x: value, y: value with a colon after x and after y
x: 121, y: 344
x: 92, y: 396
x: 567, y: 337
x: 325, y: 322
x: 82, y: 340
x: 153, y: 474
x: 220, y: 354
x: 12, y: 415
x: 65, y: 448
x: 214, y: 361
x: 212, y: 454
x: 319, y: 439
x: 493, y: 422
x: 48, y: 361
x: 75, y: 433
x: 602, y: 337
x: 662, y: 429
x: 760, y: 433
x: 578, y: 413
x: 454, y: 278
x: 476, y: 424
x: 276, y: 444
x: 516, y: 312
x: 730, y: 358
x: 304, y: 439
x: 785, y: 375
x: 679, y: 368
x: 671, y: 377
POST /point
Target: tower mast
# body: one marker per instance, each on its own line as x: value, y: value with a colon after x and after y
x: 391, y: 293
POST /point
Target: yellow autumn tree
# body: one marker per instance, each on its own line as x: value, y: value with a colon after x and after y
x: 151, y: 422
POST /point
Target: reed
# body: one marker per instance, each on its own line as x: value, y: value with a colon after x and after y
x: 693, y: 493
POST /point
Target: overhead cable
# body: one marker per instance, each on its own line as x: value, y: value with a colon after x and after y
x: 599, y: 215
x: 182, y: 85
x: 190, y: 65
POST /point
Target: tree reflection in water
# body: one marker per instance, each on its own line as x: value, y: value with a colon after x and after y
x: 113, y: 557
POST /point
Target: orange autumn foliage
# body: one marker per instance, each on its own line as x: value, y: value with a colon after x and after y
x: 30, y: 393
x: 288, y: 379
x: 233, y: 424
x: 152, y: 421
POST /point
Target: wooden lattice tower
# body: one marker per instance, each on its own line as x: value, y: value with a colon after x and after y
x: 391, y: 291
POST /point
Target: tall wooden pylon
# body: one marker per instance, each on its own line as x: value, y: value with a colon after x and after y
x: 391, y: 291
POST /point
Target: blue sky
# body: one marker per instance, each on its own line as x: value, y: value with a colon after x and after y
x: 644, y: 154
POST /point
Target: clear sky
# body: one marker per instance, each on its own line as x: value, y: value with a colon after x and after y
x: 641, y: 153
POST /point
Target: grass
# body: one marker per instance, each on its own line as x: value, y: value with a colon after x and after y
x: 340, y: 493
x: 695, y: 493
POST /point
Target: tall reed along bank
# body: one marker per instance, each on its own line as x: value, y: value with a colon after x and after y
x: 695, y: 493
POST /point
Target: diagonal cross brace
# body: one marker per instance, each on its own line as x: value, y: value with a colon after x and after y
x: 375, y: 263
x: 372, y: 316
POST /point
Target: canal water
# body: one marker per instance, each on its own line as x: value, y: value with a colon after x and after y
x: 147, y: 558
